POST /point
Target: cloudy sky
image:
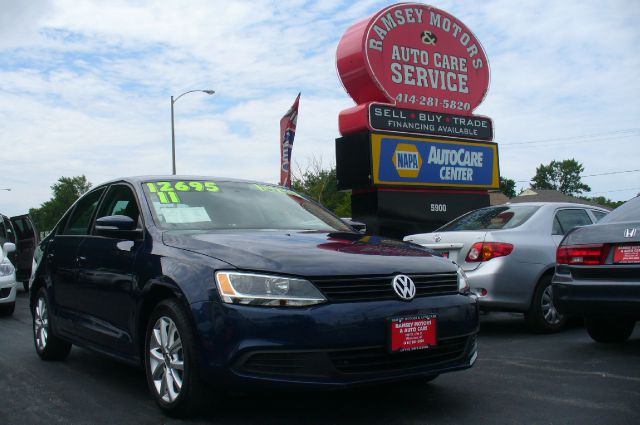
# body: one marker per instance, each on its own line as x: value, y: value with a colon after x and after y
x: 85, y: 87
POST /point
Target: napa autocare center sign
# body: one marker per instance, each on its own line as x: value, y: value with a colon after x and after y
x: 419, y: 72
x: 399, y: 160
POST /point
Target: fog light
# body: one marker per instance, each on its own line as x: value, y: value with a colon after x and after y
x: 481, y: 292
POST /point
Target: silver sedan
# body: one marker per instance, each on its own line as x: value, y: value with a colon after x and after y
x: 509, y: 254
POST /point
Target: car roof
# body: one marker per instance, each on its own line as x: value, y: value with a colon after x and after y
x: 553, y: 204
x: 161, y: 177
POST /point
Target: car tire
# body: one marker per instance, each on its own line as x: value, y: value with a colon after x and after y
x: 609, y: 330
x: 542, y: 316
x: 169, y: 346
x: 25, y: 285
x: 48, y: 345
x: 7, y: 309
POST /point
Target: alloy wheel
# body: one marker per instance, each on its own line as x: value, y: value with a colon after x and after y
x: 41, y: 323
x: 549, y: 310
x: 166, y: 359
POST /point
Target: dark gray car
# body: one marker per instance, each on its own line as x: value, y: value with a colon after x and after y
x: 598, y: 274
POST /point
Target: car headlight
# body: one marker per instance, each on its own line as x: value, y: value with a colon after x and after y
x: 266, y: 290
x: 463, y: 282
x: 6, y: 268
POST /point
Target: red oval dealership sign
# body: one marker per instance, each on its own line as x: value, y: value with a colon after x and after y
x: 414, y: 56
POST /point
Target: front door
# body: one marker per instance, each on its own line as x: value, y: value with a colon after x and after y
x: 106, y: 277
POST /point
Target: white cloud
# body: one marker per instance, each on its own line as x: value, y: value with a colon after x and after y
x: 86, y: 86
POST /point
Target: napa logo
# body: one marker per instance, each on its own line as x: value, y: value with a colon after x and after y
x: 407, y: 160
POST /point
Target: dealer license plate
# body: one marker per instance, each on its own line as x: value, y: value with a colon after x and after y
x: 413, y: 333
x: 627, y: 254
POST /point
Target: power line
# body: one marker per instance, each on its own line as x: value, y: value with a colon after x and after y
x: 595, y: 175
x: 611, y: 172
x: 582, y: 141
x: 584, y: 136
x: 616, y: 190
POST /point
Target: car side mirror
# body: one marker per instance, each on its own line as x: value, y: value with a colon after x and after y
x: 8, y: 247
x: 120, y: 226
x: 357, y: 225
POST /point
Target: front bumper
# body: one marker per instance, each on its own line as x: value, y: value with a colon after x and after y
x: 596, y: 298
x: 8, y: 289
x: 331, y: 345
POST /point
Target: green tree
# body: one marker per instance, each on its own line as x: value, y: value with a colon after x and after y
x: 508, y: 187
x: 65, y: 192
x: 563, y: 176
x: 321, y: 184
x: 605, y: 202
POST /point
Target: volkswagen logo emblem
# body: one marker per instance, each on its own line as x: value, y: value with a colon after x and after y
x: 404, y: 287
x: 437, y: 238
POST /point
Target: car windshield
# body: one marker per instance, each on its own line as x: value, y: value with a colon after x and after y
x: 218, y: 205
x: 499, y: 217
x: 629, y: 211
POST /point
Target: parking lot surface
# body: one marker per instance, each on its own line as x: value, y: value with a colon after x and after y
x: 519, y: 378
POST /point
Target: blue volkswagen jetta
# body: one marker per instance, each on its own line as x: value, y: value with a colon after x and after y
x: 215, y: 283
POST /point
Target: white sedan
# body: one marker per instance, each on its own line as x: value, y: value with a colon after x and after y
x: 8, y: 282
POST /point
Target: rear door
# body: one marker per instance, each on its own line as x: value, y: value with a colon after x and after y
x: 566, y: 219
x: 62, y: 260
x: 26, y: 241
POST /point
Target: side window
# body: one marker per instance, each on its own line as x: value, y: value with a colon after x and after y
x: 120, y: 200
x: 80, y: 220
x: 598, y: 215
x: 566, y: 220
x: 11, y: 237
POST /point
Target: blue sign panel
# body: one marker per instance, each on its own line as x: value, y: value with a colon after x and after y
x: 412, y: 161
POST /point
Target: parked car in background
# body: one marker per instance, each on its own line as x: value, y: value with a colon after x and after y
x: 224, y: 283
x: 20, y: 231
x: 7, y: 280
x: 598, y: 274
x: 508, y: 253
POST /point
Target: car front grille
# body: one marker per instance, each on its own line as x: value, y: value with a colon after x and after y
x: 378, y: 359
x: 355, y: 361
x: 375, y: 288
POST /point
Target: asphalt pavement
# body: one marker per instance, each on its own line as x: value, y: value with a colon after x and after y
x: 519, y: 378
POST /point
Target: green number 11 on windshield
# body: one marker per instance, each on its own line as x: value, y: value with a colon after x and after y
x: 167, y: 191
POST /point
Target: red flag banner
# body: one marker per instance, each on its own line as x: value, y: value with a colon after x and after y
x: 287, y: 134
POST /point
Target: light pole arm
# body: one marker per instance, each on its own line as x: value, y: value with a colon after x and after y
x: 209, y: 92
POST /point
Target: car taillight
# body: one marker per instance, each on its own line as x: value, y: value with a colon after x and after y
x: 588, y: 255
x: 485, y: 251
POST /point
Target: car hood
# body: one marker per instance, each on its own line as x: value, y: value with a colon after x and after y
x: 310, y: 253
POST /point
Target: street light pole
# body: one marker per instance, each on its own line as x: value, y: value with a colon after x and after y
x: 173, y: 141
x: 173, y: 133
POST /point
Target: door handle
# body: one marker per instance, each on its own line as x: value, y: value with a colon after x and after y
x: 80, y: 260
